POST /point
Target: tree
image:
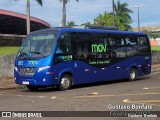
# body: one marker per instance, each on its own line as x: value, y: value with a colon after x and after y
x: 64, y: 2
x: 87, y: 23
x: 121, y: 17
x: 104, y: 19
x: 71, y: 23
x: 122, y: 14
x: 28, y: 13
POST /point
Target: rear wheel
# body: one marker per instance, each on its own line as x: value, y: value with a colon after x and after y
x: 132, y: 74
x: 33, y: 88
x: 66, y: 82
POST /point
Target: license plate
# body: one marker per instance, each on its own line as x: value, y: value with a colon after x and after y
x: 25, y: 83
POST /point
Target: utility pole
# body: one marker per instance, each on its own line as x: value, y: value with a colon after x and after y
x: 28, y: 17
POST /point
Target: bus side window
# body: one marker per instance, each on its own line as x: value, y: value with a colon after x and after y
x: 143, y: 46
x: 80, y: 46
x: 79, y: 53
x: 64, y: 48
x: 142, y: 41
x: 131, y: 41
x: 119, y: 50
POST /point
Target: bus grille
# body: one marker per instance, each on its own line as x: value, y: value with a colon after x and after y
x: 27, y: 71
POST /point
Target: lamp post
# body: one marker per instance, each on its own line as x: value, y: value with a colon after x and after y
x: 138, y: 7
x: 113, y: 8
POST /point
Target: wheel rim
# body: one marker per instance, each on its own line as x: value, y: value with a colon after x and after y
x: 133, y: 75
x: 65, y: 82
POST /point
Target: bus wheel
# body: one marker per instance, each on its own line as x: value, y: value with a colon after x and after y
x: 66, y: 82
x: 33, y: 88
x: 132, y: 74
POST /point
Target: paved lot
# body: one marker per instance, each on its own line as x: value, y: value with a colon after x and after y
x: 143, y: 94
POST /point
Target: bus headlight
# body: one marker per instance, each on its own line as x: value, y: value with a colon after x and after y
x: 43, y: 68
x: 15, y: 68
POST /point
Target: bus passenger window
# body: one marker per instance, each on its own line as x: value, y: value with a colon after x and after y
x: 143, y: 46
x: 131, y: 41
x: 64, y: 48
x: 58, y: 50
x: 59, y: 54
x: 80, y: 46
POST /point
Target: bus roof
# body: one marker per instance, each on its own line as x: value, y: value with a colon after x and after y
x: 69, y: 29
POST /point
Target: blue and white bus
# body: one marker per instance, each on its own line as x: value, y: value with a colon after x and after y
x: 70, y: 56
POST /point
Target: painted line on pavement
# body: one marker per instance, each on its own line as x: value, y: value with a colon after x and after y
x: 25, y: 96
x: 80, y: 89
x: 146, y: 88
x: 98, y: 96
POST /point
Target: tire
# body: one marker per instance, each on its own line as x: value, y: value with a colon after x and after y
x: 132, y: 74
x: 33, y: 88
x: 65, y: 82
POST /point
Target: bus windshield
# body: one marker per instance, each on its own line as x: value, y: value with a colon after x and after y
x: 37, y: 46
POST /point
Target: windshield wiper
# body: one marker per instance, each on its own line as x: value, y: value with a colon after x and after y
x: 39, y: 53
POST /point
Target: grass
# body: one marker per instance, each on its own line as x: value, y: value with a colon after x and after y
x: 22, y: 87
x: 155, y: 48
x: 8, y: 50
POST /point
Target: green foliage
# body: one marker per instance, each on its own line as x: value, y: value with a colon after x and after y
x: 22, y: 87
x: 155, y: 48
x: 152, y: 35
x: 87, y: 23
x: 104, y: 19
x: 122, y: 17
x: 71, y: 23
x: 8, y: 50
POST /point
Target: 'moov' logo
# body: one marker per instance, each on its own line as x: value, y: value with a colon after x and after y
x: 20, y: 62
x: 99, y: 48
x: 33, y: 62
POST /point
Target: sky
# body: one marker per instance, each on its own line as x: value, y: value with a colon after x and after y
x: 85, y: 10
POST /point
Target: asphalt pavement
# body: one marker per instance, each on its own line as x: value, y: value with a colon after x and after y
x: 140, y: 95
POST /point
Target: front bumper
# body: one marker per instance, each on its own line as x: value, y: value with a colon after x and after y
x: 39, y: 79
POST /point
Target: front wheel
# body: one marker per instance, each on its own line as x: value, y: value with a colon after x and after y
x: 132, y: 74
x: 66, y: 82
x: 33, y: 88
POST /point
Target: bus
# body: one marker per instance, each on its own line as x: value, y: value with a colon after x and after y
x: 64, y: 57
